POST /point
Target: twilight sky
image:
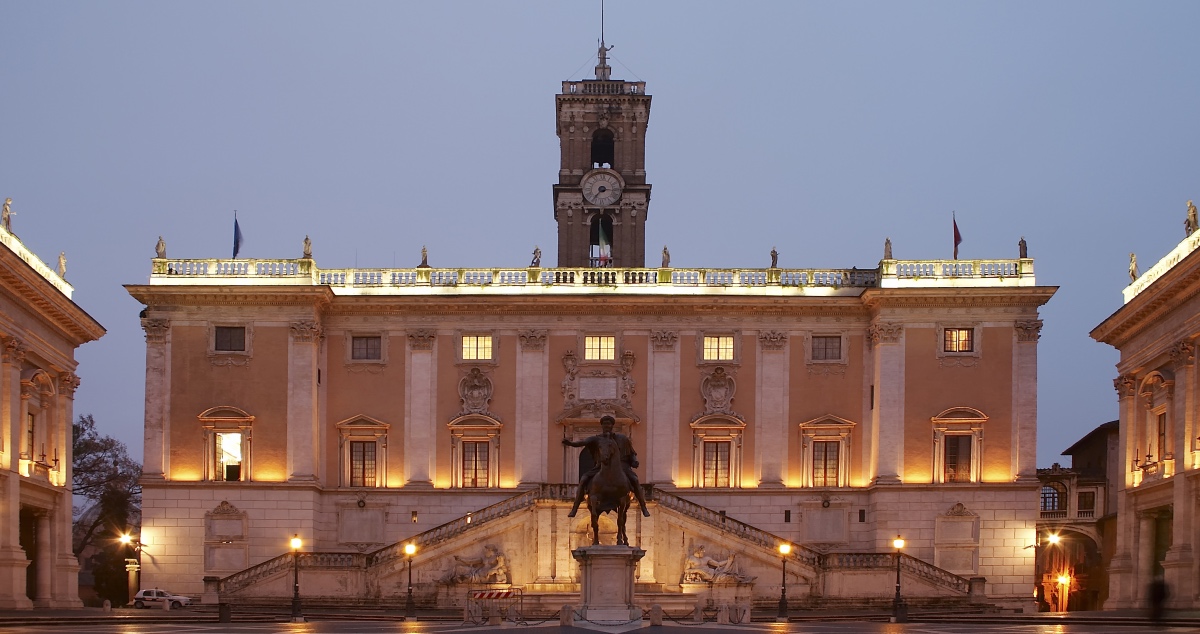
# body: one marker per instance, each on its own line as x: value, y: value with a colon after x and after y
x: 816, y: 128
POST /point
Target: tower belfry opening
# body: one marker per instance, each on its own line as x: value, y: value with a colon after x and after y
x: 602, y: 197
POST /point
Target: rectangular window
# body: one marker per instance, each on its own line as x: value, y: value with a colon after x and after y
x: 475, y: 465
x: 228, y: 456
x: 1162, y: 436
x: 959, y: 340
x: 825, y: 463
x: 477, y: 347
x: 230, y: 339
x: 30, y: 432
x: 362, y: 463
x: 716, y: 463
x: 1086, y: 501
x: 957, y: 464
x: 718, y: 348
x: 826, y: 348
x: 366, y: 348
x: 599, y: 348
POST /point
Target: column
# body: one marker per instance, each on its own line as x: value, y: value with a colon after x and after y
x: 155, y: 463
x: 419, y: 396
x: 302, y: 424
x: 1123, y: 591
x: 1145, y: 555
x: 1024, y: 428
x: 12, y: 556
x: 45, y: 561
x: 66, y: 566
x: 533, y: 419
x: 662, y: 434
x: 888, y: 416
x: 771, y: 434
x: 546, y: 536
x: 1178, y: 562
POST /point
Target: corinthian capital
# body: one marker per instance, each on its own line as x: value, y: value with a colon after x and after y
x: 532, y: 339
x: 14, y: 351
x: 421, y: 339
x: 1029, y: 330
x: 305, y: 331
x: 68, y: 382
x: 772, y: 339
x: 1125, y: 385
x: 1183, y: 354
x: 664, y: 340
x: 156, y: 330
x: 884, y: 333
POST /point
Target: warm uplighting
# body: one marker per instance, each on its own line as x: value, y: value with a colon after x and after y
x: 1053, y: 538
x: 898, y: 543
x: 410, y: 549
x: 296, y: 542
x: 785, y: 549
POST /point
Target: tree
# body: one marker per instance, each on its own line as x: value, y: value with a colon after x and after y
x: 105, y: 476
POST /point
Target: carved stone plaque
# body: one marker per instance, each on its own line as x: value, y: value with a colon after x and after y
x: 596, y: 388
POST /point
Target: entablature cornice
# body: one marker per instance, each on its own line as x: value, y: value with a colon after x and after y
x: 51, y: 305
x: 876, y: 299
x: 156, y: 296
x: 1150, y: 307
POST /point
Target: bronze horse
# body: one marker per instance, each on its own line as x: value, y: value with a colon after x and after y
x: 609, y: 490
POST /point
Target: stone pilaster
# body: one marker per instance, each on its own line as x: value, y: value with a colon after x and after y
x: 546, y: 535
x: 43, y: 593
x: 157, y: 432
x: 1123, y: 590
x: 1024, y: 429
x: 887, y: 341
x: 1179, y: 560
x: 303, y: 424
x: 532, y: 408
x: 771, y: 434
x: 662, y: 437
x: 419, y: 434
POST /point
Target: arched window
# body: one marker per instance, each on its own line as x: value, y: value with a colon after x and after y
x: 475, y: 451
x: 717, y: 452
x: 226, y: 444
x: 958, y: 445
x: 601, y: 241
x: 603, y: 148
x: 1054, y: 497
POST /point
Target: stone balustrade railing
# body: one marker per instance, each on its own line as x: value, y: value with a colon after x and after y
x: 603, y: 87
x: 914, y: 566
x: 889, y: 274
x: 15, y: 245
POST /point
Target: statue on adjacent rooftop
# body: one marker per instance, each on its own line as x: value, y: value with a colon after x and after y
x: 424, y: 259
x: 700, y: 568
x: 666, y: 259
x: 887, y: 248
x: 6, y: 215
x: 160, y: 248
x: 62, y: 264
x: 1190, y: 224
x: 1023, y: 249
x: 1133, y: 268
x: 536, y: 262
x: 307, y: 248
x: 774, y: 258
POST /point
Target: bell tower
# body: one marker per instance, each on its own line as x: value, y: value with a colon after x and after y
x: 601, y: 199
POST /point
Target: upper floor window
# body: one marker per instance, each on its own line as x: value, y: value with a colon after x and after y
x: 1054, y: 496
x: 958, y: 340
x: 1086, y: 502
x: 362, y: 463
x: 363, y: 442
x: 229, y: 339
x: 718, y: 348
x: 228, y: 457
x: 475, y: 464
x: 716, y: 463
x: 1160, y: 423
x: 599, y: 348
x: 826, y: 348
x: 226, y: 444
x: 956, y: 459
x: 477, y: 347
x: 366, y: 348
x: 825, y: 463
x: 717, y: 451
x: 958, y: 445
x: 825, y: 457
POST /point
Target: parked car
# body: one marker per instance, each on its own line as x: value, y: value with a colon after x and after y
x: 156, y: 596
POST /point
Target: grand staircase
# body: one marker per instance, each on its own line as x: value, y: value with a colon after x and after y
x: 817, y: 566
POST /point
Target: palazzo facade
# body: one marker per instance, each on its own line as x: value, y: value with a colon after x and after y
x: 833, y: 408
x: 40, y: 328
x: 1156, y: 331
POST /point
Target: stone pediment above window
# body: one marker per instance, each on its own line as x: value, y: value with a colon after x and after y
x: 362, y: 426
x: 225, y: 416
x: 960, y: 415
x: 827, y: 425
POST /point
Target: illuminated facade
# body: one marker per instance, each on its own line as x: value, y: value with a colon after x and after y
x: 1155, y: 332
x: 833, y: 408
x: 40, y: 328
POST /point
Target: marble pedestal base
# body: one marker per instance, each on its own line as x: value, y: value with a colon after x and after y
x: 606, y: 582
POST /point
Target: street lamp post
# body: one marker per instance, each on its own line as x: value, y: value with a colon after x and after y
x: 899, y: 614
x: 782, y: 614
x: 410, y: 607
x: 132, y: 564
x: 297, y: 616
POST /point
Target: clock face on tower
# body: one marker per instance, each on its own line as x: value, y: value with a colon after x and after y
x: 602, y: 188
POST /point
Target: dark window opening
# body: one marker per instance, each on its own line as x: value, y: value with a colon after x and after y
x: 230, y: 339
x: 603, y: 148
x: 362, y: 464
x: 1054, y: 496
x: 862, y: 515
x: 366, y: 348
x: 600, y: 254
x: 957, y: 465
x: 787, y: 516
x: 1086, y: 501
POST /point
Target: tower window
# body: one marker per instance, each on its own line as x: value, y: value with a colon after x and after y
x: 602, y: 148
x: 601, y: 255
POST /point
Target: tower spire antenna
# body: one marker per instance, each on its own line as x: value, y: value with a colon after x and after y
x: 603, y: 71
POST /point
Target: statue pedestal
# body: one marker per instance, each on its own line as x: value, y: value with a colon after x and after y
x: 606, y: 582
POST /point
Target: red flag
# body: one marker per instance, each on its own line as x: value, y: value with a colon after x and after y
x: 957, y: 235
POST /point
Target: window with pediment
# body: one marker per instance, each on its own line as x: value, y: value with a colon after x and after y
x: 958, y: 445
x: 825, y: 459
x: 717, y: 452
x: 475, y: 451
x: 227, y: 436
x: 363, y: 444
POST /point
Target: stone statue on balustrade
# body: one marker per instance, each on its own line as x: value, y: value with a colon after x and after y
x: 307, y: 248
x: 62, y: 264
x: 6, y: 215
x: 1190, y: 223
x: 424, y: 259
x: 700, y: 568
x: 666, y: 258
x: 491, y: 567
x: 1023, y: 249
x: 536, y: 262
x: 887, y: 248
x: 774, y: 258
x: 1133, y: 268
x: 160, y: 248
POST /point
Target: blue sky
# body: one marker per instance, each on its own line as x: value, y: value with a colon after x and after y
x: 817, y: 128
